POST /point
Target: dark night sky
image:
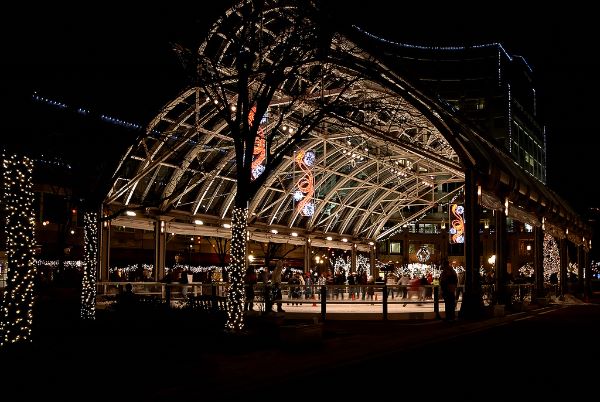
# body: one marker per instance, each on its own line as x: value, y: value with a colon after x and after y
x: 119, y: 62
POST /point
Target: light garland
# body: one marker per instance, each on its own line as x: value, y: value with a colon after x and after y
x: 236, y: 295
x: 88, y: 288
x: 86, y: 112
x: 79, y: 265
x: 422, y: 47
x: 71, y: 264
x: 19, y: 296
x: 509, y: 119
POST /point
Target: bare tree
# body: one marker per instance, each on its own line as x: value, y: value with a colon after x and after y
x: 256, y: 67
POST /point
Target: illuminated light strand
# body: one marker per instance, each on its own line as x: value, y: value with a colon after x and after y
x: 260, y: 153
x: 509, y: 118
x: 55, y: 162
x: 79, y: 265
x: 19, y: 296
x: 306, y: 184
x: 88, y: 288
x: 422, y: 47
x: 235, y: 295
x: 85, y: 112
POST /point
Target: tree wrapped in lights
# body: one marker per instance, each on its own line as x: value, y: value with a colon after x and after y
x: 235, y: 295
x: 341, y: 264
x: 551, y: 257
x: 88, y: 290
x: 527, y: 270
x: 19, y: 296
x: 363, y: 264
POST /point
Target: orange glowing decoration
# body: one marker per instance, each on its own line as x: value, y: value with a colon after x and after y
x: 259, y: 154
x: 306, y: 185
x: 457, y: 224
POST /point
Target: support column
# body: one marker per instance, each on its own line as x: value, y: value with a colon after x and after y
x: 564, y: 262
x: 405, y: 256
x: 104, y: 254
x: 160, y: 249
x: 374, y: 270
x: 471, y: 306
x: 580, y: 266
x: 538, y: 262
x: 501, y: 271
x: 307, y: 255
x: 353, y: 259
x: 588, y: 276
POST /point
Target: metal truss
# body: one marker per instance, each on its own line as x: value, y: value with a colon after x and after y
x: 381, y: 158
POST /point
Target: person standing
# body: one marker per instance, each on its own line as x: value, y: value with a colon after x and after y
x: 264, y: 275
x: 276, y: 283
x: 308, y: 286
x: 250, y: 280
x: 460, y: 288
x: 448, y: 282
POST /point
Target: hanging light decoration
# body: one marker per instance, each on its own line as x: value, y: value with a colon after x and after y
x: 457, y: 224
x: 260, y: 153
x: 306, y: 184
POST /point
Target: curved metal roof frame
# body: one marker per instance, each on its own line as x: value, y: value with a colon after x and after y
x: 373, y: 166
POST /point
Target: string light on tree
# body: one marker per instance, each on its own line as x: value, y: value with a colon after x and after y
x: 363, y: 264
x: 235, y: 296
x: 527, y: 270
x: 88, y: 289
x: 341, y: 264
x: 551, y: 257
x: 18, y: 297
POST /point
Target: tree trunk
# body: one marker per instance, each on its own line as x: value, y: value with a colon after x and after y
x: 19, y: 294
x: 235, y: 296
x: 88, y: 287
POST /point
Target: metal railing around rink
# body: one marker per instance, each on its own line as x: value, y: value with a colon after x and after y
x: 213, y: 295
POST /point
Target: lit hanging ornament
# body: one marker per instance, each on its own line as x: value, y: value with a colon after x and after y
x: 306, y: 186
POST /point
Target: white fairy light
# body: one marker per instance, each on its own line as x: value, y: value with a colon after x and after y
x: 18, y: 298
